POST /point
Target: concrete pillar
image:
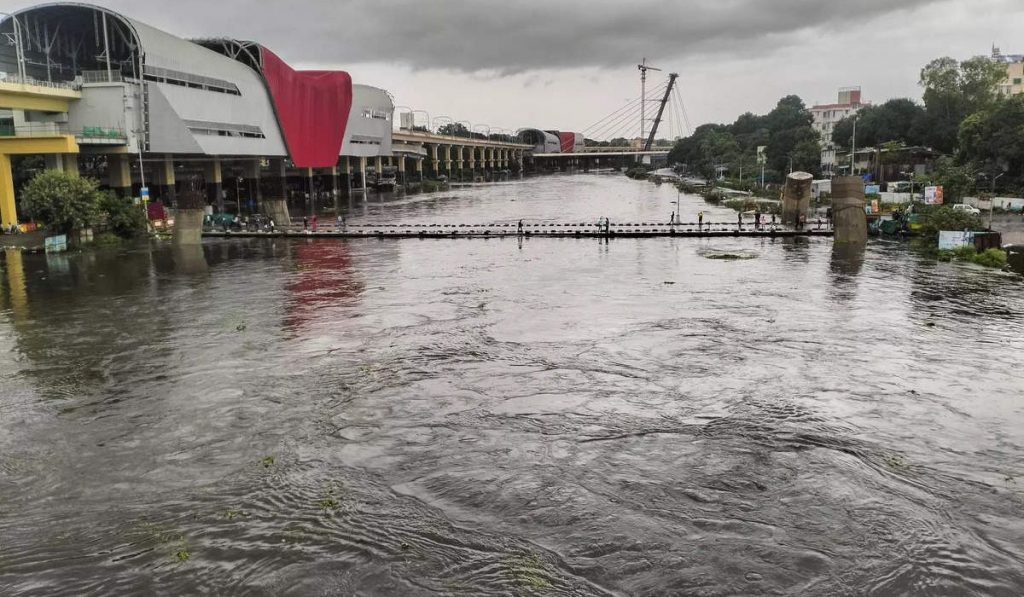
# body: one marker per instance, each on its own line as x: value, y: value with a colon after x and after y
x: 71, y: 163
x: 332, y: 185
x: 434, y: 162
x: 188, y: 227
x: 214, y: 183
x: 419, y: 168
x: 251, y: 174
x: 54, y: 161
x: 8, y: 210
x: 362, y: 173
x: 401, y: 169
x: 119, y: 174
x: 275, y: 196
x: 448, y: 159
x: 346, y: 170
x: 459, y: 151
x: 849, y: 221
x: 379, y: 165
x: 164, y: 181
x: 796, y: 198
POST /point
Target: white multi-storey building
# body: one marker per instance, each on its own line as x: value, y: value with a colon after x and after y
x: 827, y: 116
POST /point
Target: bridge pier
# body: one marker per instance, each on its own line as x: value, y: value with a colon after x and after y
x: 796, y: 197
x: 119, y: 174
x: 848, y: 219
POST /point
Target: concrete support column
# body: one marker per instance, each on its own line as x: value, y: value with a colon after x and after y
x: 796, y: 198
x: 459, y: 150
x: 433, y: 160
x: 472, y: 158
x: 275, y: 203
x: 54, y: 161
x: 8, y: 210
x: 448, y: 159
x: 165, y: 182
x: 332, y: 186
x: 362, y: 173
x: 419, y: 168
x: 849, y: 221
x: 379, y: 165
x: 214, y: 183
x: 251, y: 174
x: 401, y: 169
x: 346, y: 170
x: 119, y: 174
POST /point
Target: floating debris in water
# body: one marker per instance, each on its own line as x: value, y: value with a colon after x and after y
x: 728, y: 255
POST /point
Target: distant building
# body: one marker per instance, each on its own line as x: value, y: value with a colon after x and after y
x: 826, y: 116
x: 1013, y: 84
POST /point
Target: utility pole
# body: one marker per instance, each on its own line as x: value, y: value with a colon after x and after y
x: 643, y: 95
x: 853, y: 148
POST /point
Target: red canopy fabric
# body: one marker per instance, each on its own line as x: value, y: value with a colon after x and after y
x: 568, y: 141
x: 312, y: 109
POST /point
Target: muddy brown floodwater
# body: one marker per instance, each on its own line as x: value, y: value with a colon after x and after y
x: 549, y: 417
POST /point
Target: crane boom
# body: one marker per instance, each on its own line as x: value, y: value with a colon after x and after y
x: 657, y: 120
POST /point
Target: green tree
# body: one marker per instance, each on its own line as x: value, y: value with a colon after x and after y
x: 957, y: 180
x: 898, y: 119
x: 61, y: 201
x: 993, y: 140
x: 954, y: 90
x: 454, y: 129
x: 123, y: 217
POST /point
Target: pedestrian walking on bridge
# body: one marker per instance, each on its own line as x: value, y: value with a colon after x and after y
x: 700, y: 221
x: 520, y: 227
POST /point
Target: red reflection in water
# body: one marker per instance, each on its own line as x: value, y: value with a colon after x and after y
x: 325, y: 280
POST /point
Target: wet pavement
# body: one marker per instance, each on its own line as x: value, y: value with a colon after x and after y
x: 511, y: 416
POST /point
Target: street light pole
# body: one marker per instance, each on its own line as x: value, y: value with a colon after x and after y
x: 992, y: 199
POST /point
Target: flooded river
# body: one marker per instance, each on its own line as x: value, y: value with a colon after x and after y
x: 545, y: 416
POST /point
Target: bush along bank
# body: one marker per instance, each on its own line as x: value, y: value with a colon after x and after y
x: 989, y: 257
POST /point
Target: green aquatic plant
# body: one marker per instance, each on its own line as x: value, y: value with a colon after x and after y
x: 896, y: 462
x: 529, y: 571
x: 182, y: 555
x: 267, y: 461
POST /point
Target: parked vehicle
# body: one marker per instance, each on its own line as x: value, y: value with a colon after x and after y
x: 967, y: 208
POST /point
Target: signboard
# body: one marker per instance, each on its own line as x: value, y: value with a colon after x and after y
x: 407, y: 121
x: 144, y: 194
x: 56, y: 244
x: 762, y: 157
x: 933, y: 195
x: 954, y: 239
x: 874, y: 206
x: 872, y: 189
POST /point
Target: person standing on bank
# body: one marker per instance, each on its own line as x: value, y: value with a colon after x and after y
x: 520, y: 227
x: 700, y: 221
x: 314, y: 222
x: 305, y: 223
x: 739, y: 221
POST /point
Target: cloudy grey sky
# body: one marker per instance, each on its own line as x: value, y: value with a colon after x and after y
x: 567, y: 63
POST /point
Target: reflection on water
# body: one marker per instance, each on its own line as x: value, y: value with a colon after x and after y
x: 511, y: 416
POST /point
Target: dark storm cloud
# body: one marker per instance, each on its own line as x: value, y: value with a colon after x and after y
x: 511, y: 36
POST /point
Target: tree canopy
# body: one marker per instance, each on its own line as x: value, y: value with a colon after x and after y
x: 61, y: 201
x: 786, y: 131
x: 953, y: 91
x: 901, y: 120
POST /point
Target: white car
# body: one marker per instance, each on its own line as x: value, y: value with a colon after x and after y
x: 968, y: 208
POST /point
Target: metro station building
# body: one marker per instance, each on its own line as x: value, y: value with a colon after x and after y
x: 102, y: 94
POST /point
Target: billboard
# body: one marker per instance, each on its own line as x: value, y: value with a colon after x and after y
x: 407, y: 121
x: 933, y: 195
x: 762, y: 157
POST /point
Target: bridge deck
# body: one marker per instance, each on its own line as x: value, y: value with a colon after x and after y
x: 632, y: 230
